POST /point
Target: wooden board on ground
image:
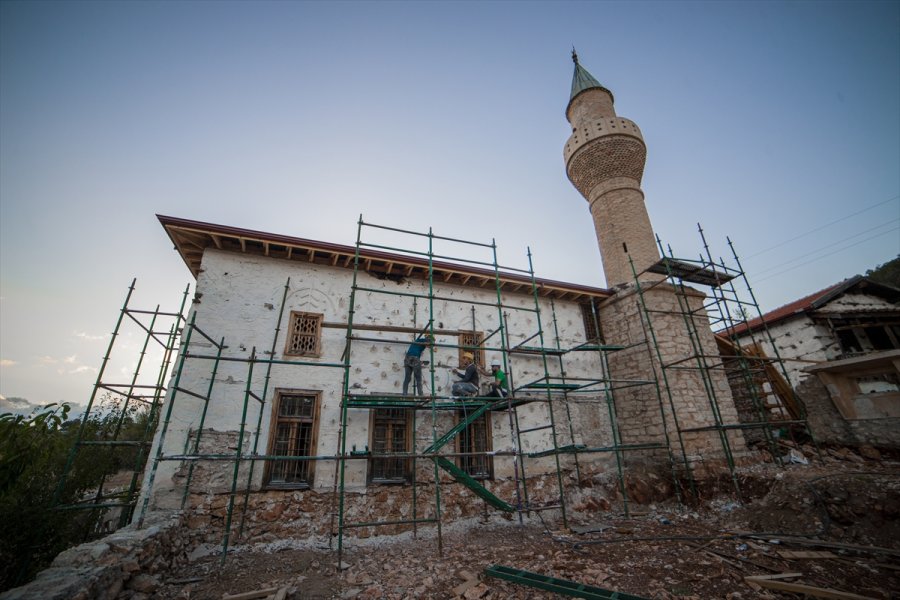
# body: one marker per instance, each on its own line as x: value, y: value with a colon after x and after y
x: 766, y: 581
x: 806, y: 554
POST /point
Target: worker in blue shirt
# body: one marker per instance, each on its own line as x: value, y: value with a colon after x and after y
x: 412, y: 364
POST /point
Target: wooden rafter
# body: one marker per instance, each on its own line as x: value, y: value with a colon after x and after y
x: 192, y: 238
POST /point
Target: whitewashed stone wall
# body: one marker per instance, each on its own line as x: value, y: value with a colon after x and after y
x: 238, y: 298
x: 800, y: 342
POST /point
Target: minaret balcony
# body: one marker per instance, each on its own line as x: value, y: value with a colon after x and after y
x: 587, y: 131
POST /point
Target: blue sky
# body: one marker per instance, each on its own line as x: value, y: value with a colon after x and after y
x: 777, y: 124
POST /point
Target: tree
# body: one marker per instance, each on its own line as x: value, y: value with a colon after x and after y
x: 887, y: 273
x: 34, y: 452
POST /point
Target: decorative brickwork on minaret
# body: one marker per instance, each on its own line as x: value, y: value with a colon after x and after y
x: 605, y: 161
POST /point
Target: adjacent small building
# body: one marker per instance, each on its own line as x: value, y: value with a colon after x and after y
x: 841, y: 350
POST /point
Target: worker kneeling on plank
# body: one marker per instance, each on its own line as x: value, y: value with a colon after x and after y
x: 468, y: 383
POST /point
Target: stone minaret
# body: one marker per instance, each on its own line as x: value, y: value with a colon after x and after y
x: 605, y: 161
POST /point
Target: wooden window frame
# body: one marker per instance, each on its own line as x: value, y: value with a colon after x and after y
x: 296, y: 315
x: 407, y: 464
x: 590, y: 318
x: 488, y: 443
x: 857, y: 329
x: 271, y: 465
x: 472, y: 338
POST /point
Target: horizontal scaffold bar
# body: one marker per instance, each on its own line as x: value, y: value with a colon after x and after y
x: 271, y: 361
x: 581, y: 449
x: 427, y: 402
x: 757, y: 425
x: 380, y: 523
x: 536, y: 350
x: 352, y: 455
x: 93, y: 506
x: 115, y: 443
x: 596, y: 348
x: 458, y: 299
x: 551, y: 386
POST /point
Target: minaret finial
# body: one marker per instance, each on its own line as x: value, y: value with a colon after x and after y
x: 574, y: 56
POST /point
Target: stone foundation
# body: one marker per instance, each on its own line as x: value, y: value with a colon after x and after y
x: 126, y: 564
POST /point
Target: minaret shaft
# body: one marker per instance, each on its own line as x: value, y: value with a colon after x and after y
x: 605, y: 158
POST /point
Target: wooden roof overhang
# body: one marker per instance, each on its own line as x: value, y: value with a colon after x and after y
x: 193, y: 238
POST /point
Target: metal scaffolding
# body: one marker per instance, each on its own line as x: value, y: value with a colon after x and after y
x: 765, y: 401
x: 551, y: 389
x: 160, y: 328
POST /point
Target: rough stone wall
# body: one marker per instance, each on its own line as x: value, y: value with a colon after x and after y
x: 623, y: 231
x: 830, y: 427
x: 238, y: 299
x: 748, y: 391
x: 127, y: 563
x: 589, y: 104
x: 305, y: 514
x: 638, y: 408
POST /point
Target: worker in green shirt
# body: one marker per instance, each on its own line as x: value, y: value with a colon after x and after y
x: 499, y: 385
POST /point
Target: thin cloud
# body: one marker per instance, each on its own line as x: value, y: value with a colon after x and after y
x: 47, y: 360
x: 5, y: 362
x: 83, y: 369
x: 86, y: 336
x: 70, y: 360
x: 17, y: 406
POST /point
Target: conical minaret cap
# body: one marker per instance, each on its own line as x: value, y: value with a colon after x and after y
x: 582, y: 80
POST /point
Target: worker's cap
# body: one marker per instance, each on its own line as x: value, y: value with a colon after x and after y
x: 469, y: 355
x: 495, y: 362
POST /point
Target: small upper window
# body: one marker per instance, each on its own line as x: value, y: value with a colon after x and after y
x: 471, y: 341
x: 304, y: 334
x: 590, y: 316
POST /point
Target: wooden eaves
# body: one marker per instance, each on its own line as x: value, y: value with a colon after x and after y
x: 193, y: 238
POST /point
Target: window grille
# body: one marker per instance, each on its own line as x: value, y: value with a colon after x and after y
x: 304, y: 334
x: 390, y: 435
x: 589, y: 315
x: 471, y: 341
x: 476, y: 437
x: 294, y: 432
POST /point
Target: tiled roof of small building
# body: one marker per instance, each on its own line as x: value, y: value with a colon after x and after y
x: 815, y: 301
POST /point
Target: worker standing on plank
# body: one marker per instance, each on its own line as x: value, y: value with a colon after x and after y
x: 412, y: 364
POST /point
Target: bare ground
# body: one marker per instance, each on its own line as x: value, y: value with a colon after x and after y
x: 835, y: 524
